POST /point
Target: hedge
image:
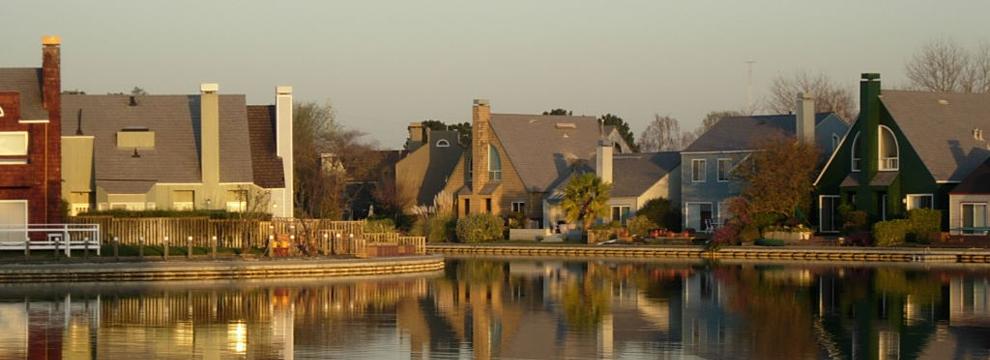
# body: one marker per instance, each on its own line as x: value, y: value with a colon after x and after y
x: 921, y: 226
x: 476, y: 228
x: 891, y: 233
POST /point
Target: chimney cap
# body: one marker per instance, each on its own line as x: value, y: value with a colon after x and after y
x: 481, y: 102
x: 209, y: 87
x: 51, y: 40
x: 870, y: 76
x: 283, y: 90
x: 805, y: 96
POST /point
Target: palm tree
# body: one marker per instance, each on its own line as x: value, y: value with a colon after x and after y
x: 585, y: 199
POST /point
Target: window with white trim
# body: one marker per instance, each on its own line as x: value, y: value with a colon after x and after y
x: 621, y: 213
x: 974, y: 218
x: 723, y: 169
x: 519, y: 207
x: 183, y: 200
x: 442, y: 143
x: 888, y: 151
x: 699, y: 171
x: 13, y: 144
x: 919, y: 201
x: 494, y: 164
x: 857, y: 157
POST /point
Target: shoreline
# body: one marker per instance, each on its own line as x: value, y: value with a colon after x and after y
x: 754, y: 253
x: 218, y: 270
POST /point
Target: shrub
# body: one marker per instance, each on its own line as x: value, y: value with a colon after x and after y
x: 770, y: 242
x: 726, y: 235
x: 855, y: 221
x: 440, y: 228
x: 749, y: 233
x: 516, y: 220
x: 926, y: 225
x: 640, y: 226
x: 477, y: 228
x: 891, y: 233
x: 662, y: 213
x: 379, y: 226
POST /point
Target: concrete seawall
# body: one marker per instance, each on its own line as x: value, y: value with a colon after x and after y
x: 915, y: 255
x: 209, y: 270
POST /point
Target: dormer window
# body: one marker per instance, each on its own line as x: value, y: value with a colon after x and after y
x: 888, y: 152
x: 442, y: 143
x: 857, y: 156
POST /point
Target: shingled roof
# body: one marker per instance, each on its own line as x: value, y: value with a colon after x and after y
x: 265, y: 163
x: 27, y: 82
x: 542, y: 148
x: 744, y: 132
x: 939, y: 127
x: 977, y: 182
x: 175, y: 119
x: 633, y: 174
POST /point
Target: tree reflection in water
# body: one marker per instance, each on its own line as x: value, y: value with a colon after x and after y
x: 520, y: 309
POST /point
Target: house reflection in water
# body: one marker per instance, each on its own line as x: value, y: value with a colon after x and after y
x: 489, y: 309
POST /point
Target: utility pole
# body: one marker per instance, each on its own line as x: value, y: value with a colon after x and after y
x: 749, y: 86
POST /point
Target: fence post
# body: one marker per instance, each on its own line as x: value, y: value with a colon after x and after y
x: 189, y: 247
x: 86, y: 248
x: 141, y: 247
x: 58, y: 250
x: 165, y: 253
x: 116, y: 248
x: 326, y: 244
x: 268, y: 246
x: 213, y: 247
x: 27, y: 248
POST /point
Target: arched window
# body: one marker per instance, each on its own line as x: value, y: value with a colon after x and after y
x: 889, y: 152
x: 857, y: 156
x: 442, y: 143
x: 494, y: 164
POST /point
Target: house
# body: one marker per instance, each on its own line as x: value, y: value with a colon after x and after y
x: 430, y: 158
x: 909, y: 149
x: 178, y: 152
x: 968, y: 203
x: 707, y: 181
x: 30, y: 122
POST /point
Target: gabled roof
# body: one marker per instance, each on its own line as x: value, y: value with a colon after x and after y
x: 27, y: 82
x: 175, y: 120
x: 744, y: 132
x: 939, y: 127
x: 265, y: 163
x: 977, y: 182
x: 633, y: 174
x: 542, y: 148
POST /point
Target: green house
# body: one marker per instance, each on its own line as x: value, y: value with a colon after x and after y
x: 907, y: 149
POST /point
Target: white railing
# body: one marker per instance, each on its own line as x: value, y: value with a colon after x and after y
x: 57, y: 237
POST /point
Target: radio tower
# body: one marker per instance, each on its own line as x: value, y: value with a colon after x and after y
x: 749, y: 86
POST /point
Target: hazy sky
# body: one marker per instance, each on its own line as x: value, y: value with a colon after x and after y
x: 383, y: 64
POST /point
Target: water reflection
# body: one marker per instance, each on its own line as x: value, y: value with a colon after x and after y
x: 521, y: 309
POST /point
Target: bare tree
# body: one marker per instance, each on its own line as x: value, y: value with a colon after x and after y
x: 713, y: 118
x: 662, y: 134
x: 939, y: 65
x: 978, y: 72
x: 829, y: 96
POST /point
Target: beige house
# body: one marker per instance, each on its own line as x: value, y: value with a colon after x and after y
x: 178, y: 152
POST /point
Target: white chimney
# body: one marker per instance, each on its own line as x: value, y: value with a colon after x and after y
x: 283, y: 146
x: 603, y: 160
x: 804, y: 129
x: 209, y: 120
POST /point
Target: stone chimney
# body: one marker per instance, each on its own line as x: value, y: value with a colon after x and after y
x: 603, y: 160
x: 209, y: 123
x: 51, y: 73
x: 416, y: 132
x: 804, y: 117
x: 481, y: 117
x: 51, y: 78
x: 283, y: 147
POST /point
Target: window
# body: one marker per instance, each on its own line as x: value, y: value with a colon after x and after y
x: 129, y: 206
x: 237, y: 200
x: 620, y: 213
x: 78, y: 208
x: 828, y: 213
x: 488, y: 205
x: 882, y: 206
x: 13, y: 144
x: 470, y: 168
x: 519, y: 207
x: 857, y: 157
x: 920, y: 201
x: 467, y: 206
x: 835, y: 141
x: 889, y: 153
x: 699, y: 216
x: 14, y: 213
x: 442, y: 143
x: 724, y: 166
x: 494, y: 164
x: 698, y: 170
x: 974, y: 219
x: 183, y: 200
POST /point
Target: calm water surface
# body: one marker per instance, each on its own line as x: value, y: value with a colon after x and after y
x: 519, y: 309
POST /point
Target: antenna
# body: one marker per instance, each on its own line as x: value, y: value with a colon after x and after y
x: 749, y: 86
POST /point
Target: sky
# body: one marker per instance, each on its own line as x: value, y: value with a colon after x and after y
x: 383, y: 64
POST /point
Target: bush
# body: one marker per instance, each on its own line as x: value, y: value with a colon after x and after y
x: 891, y: 233
x: 379, y: 226
x: 516, y: 220
x: 749, y: 233
x: 662, y: 213
x: 770, y: 242
x: 926, y: 225
x: 477, y: 228
x: 855, y: 221
x: 726, y: 235
x: 640, y: 226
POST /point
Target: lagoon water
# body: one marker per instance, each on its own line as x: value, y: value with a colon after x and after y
x: 486, y: 309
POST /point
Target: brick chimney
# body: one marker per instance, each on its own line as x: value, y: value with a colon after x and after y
x: 283, y: 146
x: 481, y: 116
x: 209, y: 123
x: 804, y: 117
x: 51, y: 74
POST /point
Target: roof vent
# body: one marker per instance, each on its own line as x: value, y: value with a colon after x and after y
x: 566, y: 125
x: 133, y: 101
x: 943, y: 102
